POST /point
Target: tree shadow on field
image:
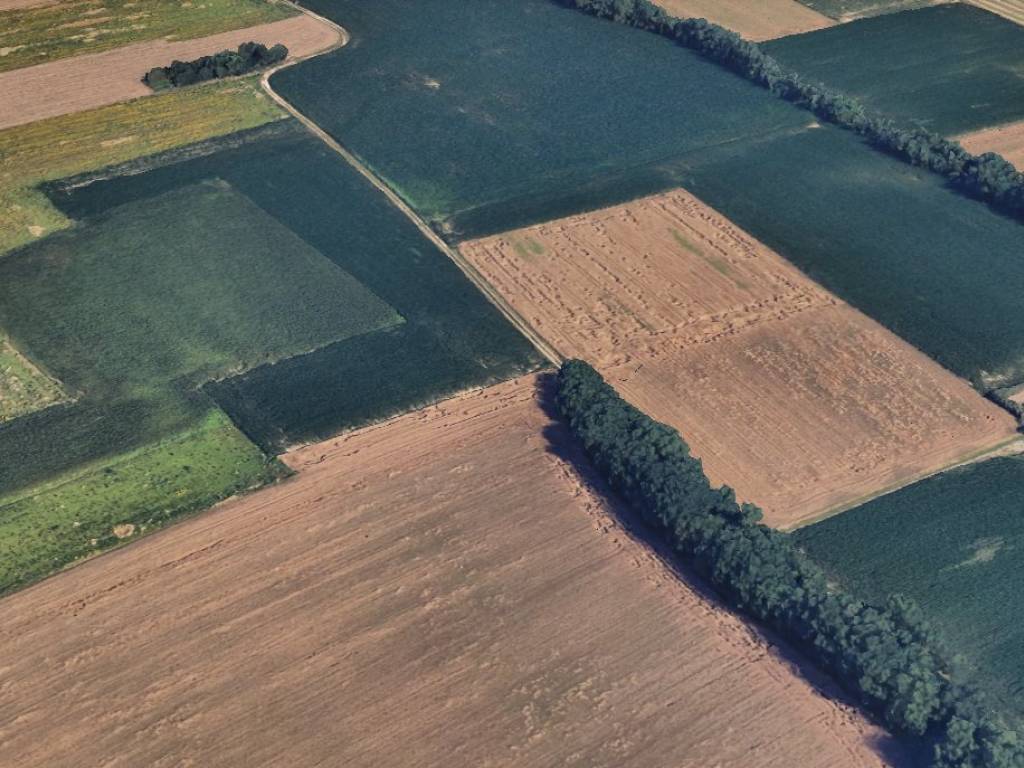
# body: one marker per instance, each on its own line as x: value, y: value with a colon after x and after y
x: 894, y: 751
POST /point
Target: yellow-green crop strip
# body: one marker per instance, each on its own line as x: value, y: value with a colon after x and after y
x: 71, y: 27
x: 23, y: 387
x: 71, y: 144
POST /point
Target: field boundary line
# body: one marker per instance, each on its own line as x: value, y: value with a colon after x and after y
x: 1013, y: 446
x: 463, y: 264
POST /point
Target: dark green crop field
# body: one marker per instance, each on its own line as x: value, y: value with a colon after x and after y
x: 951, y: 68
x: 954, y: 543
x: 466, y: 105
x: 941, y: 271
x: 452, y: 337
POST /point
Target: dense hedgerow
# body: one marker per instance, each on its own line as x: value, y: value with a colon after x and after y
x: 988, y: 177
x: 887, y: 656
x: 248, y: 57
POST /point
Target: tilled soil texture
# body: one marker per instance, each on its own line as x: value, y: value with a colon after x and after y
x: 753, y: 19
x: 97, y: 79
x: 439, y: 590
x: 787, y: 394
x: 1005, y: 140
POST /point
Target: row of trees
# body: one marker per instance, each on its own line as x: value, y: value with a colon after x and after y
x: 988, y: 177
x: 887, y: 657
x: 248, y: 57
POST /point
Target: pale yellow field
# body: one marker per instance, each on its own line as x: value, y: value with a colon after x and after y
x: 1005, y: 140
x: 753, y: 19
x: 793, y: 398
x: 441, y: 590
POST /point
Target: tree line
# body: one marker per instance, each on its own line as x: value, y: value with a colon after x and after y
x: 887, y: 656
x: 248, y: 57
x: 987, y: 177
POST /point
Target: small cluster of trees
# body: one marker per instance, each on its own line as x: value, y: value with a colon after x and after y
x: 248, y: 57
x: 988, y: 177
x: 887, y: 657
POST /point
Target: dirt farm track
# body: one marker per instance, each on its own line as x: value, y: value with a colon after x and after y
x: 441, y: 590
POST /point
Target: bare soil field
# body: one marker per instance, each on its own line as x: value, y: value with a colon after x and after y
x: 1006, y: 140
x: 790, y: 396
x: 17, y: 5
x: 440, y: 590
x: 753, y: 19
x: 98, y: 79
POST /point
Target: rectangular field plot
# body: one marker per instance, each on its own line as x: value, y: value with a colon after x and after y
x: 951, y: 68
x: 753, y: 19
x: 465, y: 109
x: 943, y: 272
x: 794, y: 399
x: 955, y: 544
x: 452, y: 338
x: 446, y: 580
x: 190, y: 285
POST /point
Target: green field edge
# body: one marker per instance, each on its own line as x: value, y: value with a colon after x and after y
x: 973, y: 457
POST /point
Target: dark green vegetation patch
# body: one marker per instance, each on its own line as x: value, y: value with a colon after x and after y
x: 954, y: 543
x: 941, y: 271
x: 452, y: 337
x: 486, y: 115
x: 950, y: 68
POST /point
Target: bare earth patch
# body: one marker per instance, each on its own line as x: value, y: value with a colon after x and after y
x: 17, y: 5
x: 792, y: 397
x: 753, y: 19
x: 1006, y: 140
x: 441, y: 590
x: 97, y: 79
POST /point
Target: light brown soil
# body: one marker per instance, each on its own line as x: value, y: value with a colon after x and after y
x: 795, y: 399
x: 753, y: 19
x: 1010, y: 9
x: 17, y: 5
x: 95, y: 80
x: 1006, y: 140
x: 441, y: 590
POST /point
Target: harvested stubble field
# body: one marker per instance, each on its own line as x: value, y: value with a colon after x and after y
x: 955, y: 544
x: 754, y: 19
x: 96, y: 80
x: 796, y: 400
x: 951, y: 68
x: 1006, y: 140
x: 1010, y: 9
x: 40, y: 32
x: 440, y: 590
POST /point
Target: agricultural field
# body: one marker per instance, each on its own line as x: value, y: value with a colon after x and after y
x: 954, y: 543
x: 794, y: 399
x: 23, y: 387
x: 451, y: 337
x: 34, y: 33
x: 1005, y: 140
x: 95, y: 80
x: 757, y: 20
x: 73, y: 144
x: 950, y: 68
x: 940, y: 271
x: 130, y: 313
x: 488, y: 117
x: 444, y: 587
x: 848, y: 10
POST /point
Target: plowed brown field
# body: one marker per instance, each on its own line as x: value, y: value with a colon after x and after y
x: 441, y: 590
x: 754, y: 19
x: 97, y: 79
x: 1006, y: 140
x: 792, y: 397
